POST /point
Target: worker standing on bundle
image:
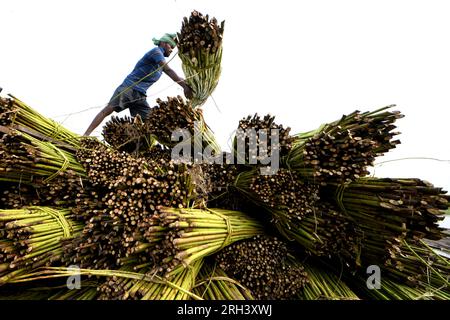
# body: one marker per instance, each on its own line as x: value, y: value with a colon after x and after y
x: 131, y: 93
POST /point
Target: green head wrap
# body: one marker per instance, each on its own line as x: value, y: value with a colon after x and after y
x: 168, y: 37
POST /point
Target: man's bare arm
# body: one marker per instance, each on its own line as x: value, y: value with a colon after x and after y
x: 173, y: 75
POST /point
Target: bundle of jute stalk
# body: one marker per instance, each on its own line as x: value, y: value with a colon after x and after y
x: 325, y: 285
x: 129, y: 192
x: 15, y: 114
x: 184, y: 236
x: 23, y: 292
x: 25, y: 159
x: 167, y: 118
x: 441, y: 246
x: 283, y: 194
x: 342, y: 150
x: 392, y: 290
x: 389, y: 210
x: 213, y: 283
x: 298, y: 215
x: 326, y: 233
x: 179, y: 286
x: 87, y: 292
x: 101, y: 163
x: 157, y: 152
x: 221, y: 179
x: 433, y: 285
x: 124, y: 284
x: 264, y: 265
x: 58, y: 192
x: 31, y: 237
x: 14, y: 196
x: 418, y: 265
x: 99, y: 246
x: 131, y: 135
x: 219, y: 176
x: 200, y: 51
x: 258, y: 137
x: 38, y: 152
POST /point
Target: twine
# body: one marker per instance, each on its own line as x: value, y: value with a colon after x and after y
x: 339, y: 194
x: 227, y: 241
x: 60, y: 219
x: 64, y: 166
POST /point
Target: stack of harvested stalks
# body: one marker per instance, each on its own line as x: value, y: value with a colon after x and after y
x: 137, y: 230
x: 200, y: 51
x: 141, y: 226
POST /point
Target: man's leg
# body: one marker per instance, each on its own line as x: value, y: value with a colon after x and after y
x: 117, y: 103
x: 106, y: 111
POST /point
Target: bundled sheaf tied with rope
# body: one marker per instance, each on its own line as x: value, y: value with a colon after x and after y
x: 200, y: 51
x: 15, y: 114
x: 31, y: 237
x: 183, y: 236
x: 28, y: 160
x: 397, y: 217
x: 34, y: 149
x: 341, y: 151
x: 36, y: 154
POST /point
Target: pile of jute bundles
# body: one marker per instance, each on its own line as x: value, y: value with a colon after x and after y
x: 124, y: 218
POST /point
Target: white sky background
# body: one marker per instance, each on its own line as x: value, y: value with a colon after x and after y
x: 306, y: 62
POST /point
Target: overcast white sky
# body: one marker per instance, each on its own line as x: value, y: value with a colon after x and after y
x: 306, y: 62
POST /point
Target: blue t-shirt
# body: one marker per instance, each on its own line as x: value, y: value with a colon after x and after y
x: 147, y: 71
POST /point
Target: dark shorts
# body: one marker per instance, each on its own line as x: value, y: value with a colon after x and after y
x: 134, y: 100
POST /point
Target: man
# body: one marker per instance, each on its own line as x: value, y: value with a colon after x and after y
x: 132, y: 92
